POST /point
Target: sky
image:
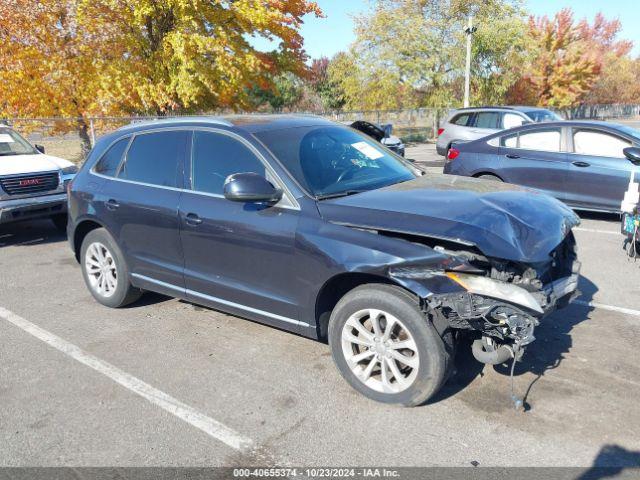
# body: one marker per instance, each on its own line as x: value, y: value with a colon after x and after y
x: 327, y: 36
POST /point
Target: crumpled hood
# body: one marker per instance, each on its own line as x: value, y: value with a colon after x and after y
x: 501, y: 220
x: 39, y: 162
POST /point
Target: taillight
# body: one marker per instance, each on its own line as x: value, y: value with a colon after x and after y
x: 453, y: 153
x: 440, y: 130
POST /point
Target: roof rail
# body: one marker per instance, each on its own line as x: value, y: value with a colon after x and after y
x: 161, y: 120
x: 503, y: 107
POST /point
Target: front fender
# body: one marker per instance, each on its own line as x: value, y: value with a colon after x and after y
x: 327, y: 250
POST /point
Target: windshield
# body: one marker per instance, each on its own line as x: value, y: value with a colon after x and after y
x: 13, y: 144
x: 332, y: 160
x: 539, y: 116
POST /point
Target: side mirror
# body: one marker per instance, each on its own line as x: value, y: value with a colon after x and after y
x: 388, y: 129
x: 250, y: 187
x: 40, y: 148
x: 632, y: 154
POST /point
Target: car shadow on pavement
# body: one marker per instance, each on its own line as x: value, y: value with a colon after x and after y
x: 553, y: 342
x: 602, y: 216
x: 35, y: 232
x: 613, y: 461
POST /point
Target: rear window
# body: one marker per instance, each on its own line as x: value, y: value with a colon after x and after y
x: 461, y: 119
x: 108, y: 164
x: 540, y: 116
x: 154, y: 158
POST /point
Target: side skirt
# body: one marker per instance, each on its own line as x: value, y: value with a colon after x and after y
x: 226, y: 306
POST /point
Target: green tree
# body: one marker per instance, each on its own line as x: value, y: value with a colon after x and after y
x: 410, y: 53
x: 283, y: 93
x: 329, y: 92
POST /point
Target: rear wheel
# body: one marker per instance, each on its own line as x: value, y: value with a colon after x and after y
x: 385, y: 347
x: 488, y: 176
x: 105, y: 271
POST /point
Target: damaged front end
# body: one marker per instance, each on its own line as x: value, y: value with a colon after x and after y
x: 502, y: 301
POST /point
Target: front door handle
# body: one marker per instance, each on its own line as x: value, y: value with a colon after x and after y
x: 581, y: 164
x: 111, y: 204
x: 512, y: 155
x: 193, y: 219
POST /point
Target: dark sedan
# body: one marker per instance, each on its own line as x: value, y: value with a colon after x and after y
x: 586, y: 164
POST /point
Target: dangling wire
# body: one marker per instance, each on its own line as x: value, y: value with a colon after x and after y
x: 517, y: 401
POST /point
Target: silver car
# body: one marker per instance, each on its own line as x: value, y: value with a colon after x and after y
x: 468, y: 124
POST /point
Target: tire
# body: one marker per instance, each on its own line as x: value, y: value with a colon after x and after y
x: 100, y: 253
x: 488, y: 176
x: 410, y: 325
x: 60, y: 222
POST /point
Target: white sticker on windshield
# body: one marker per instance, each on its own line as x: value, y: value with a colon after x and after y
x: 6, y: 138
x: 368, y: 150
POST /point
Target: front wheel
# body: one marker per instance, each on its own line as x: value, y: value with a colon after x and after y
x: 105, y: 271
x: 385, y: 346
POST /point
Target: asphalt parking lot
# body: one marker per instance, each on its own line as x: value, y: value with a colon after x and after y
x: 164, y: 382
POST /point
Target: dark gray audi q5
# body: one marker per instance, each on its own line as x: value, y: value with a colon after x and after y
x: 313, y: 227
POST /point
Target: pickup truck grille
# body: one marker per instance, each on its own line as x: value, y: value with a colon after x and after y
x: 29, y: 184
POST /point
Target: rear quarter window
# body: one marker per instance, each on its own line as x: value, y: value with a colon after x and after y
x: 461, y: 119
x: 110, y: 160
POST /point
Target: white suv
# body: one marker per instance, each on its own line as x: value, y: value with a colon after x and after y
x: 468, y: 124
x: 32, y: 184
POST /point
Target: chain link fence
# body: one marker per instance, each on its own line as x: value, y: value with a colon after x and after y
x: 67, y: 137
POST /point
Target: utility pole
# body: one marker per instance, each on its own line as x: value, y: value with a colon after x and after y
x: 470, y: 30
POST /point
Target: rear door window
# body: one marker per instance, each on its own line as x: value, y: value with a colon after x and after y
x: 154, y: 158
x: 110, y: 161
x: 487, y: 120
x: 597, y: 143
x: 215, y: 156
x: 547, y: 140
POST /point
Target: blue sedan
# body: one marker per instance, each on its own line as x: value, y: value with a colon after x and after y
x: 586, y: 164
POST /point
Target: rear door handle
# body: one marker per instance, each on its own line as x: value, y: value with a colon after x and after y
x: 111, y: 204
x: 193, y: 219
x: 581, y: 164
x: 512, y: 155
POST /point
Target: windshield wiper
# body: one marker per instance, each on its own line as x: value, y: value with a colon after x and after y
x: 339, y: 194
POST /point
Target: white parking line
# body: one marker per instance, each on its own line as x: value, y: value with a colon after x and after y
x: 595, y: 230
x: 175, y: 407
x: 612, y: 308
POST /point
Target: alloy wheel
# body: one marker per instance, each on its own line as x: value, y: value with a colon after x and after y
x: 380, y: 350
x: 101, y: 269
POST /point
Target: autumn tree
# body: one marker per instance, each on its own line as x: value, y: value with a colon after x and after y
x: 563, y: 67
x: 81, y: 58
x: 48, y: 66
x: 619, y: 77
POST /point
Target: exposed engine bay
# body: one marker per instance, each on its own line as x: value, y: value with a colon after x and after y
x: 503, y: 301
